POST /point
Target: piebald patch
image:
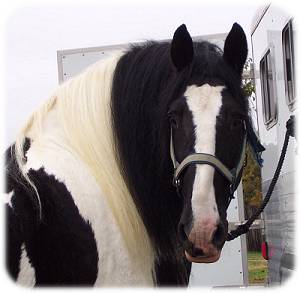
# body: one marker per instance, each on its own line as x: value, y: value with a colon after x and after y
x: 204, y: 102
x: 46, y: 152
x: 72, y: 138
x: 7, y: 198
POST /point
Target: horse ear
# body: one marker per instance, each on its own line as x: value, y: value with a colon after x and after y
x: 182, y: 51
x: 235, y: 48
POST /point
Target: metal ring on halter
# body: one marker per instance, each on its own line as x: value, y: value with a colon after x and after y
x: 176, y: 182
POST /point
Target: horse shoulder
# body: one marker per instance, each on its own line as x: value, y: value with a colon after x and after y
x: 75, y: 206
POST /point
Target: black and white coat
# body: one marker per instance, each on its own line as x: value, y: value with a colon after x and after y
x: 100, y: 208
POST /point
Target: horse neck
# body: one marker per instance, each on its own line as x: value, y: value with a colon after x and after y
x: 142, y: 139
x: 153, y: 190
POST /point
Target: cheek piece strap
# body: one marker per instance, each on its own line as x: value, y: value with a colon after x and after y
x: 232, y: 175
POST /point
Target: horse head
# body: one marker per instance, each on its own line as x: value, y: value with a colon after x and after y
x: 207, y: 121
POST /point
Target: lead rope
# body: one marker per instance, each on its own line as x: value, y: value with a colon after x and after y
x: 244, y: 228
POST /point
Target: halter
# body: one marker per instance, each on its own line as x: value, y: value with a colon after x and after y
x: 233, y: 175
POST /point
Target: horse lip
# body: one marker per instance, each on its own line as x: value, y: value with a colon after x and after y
x: 203, y: 259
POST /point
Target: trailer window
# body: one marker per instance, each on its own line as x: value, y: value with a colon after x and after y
x: 267, y: 88
x: 288, y: 61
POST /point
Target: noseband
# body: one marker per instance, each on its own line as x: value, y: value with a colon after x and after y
x: 232, y: 175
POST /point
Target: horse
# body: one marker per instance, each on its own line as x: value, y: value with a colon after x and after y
x: 91, y: 195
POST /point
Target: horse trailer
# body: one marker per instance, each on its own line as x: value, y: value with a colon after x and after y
x: 273, y: 55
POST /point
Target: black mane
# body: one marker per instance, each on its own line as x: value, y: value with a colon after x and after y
x: 145, y: 83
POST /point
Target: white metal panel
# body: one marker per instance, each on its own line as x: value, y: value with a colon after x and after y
x: 280, y: 212
x: 268, y: 35
x: 72, y: 62
x: 78, y: 61
x: 231, y: 269
x: 228, y: 271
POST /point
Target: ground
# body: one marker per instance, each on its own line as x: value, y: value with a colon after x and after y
x: 258, y: 268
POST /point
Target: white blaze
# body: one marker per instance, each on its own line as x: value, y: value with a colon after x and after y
x: 204, y: 103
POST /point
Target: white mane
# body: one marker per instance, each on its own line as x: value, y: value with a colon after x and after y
x: 83, y: 109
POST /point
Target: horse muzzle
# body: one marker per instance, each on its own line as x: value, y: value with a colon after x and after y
x: 202, y: 244
x: 203, y: 259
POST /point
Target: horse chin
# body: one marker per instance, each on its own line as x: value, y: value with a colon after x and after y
x: 203, y: 259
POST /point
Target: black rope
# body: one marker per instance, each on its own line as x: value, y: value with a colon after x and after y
x: 244, y: 228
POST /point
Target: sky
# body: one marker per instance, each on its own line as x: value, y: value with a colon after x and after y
x: 33, y: 31
x: 33, y: 34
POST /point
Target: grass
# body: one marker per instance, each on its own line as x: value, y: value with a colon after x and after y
x: 257, y: 267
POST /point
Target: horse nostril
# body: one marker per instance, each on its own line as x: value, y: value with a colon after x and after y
x: 197, y: 252
x: 219, y: 235
x: 183, y: 238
